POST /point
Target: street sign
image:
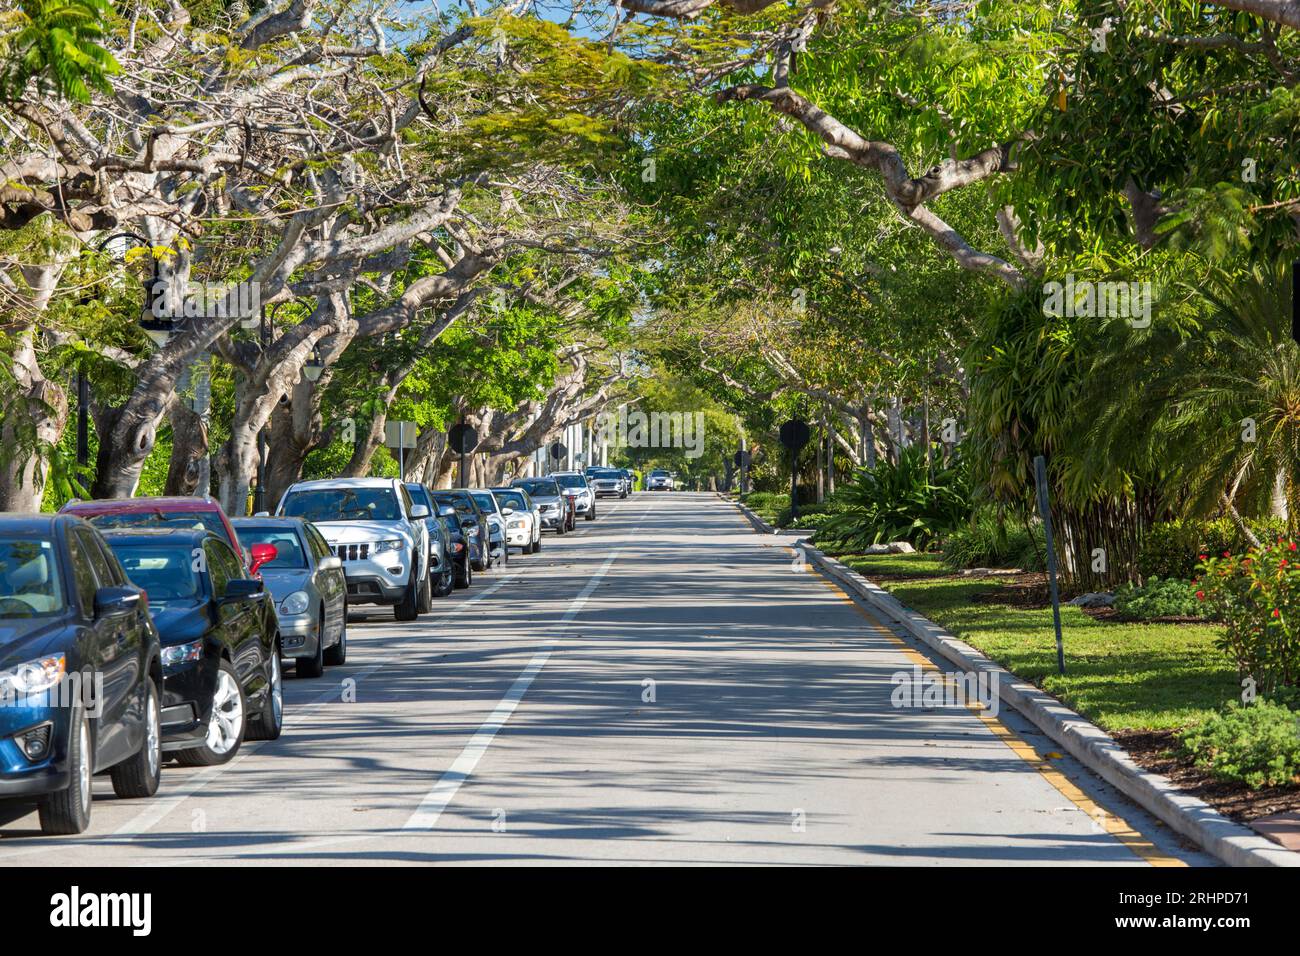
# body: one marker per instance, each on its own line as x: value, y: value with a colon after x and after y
x: 462, y: 439
x: 400, y: 434
x: 1045, y: 512
x: 558, y: 450
x: 795, y: 434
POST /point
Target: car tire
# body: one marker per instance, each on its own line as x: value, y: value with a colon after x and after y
x: 68, y: 810
x: 270, y: 722
x: 408, y: 608
x: 313, y: 666
x: 465, y: 576
x: 426, y: 594
x: 338, y: 654
x: 230, y: 697
x: 591, y: 512
x: 537, y: 545
x: 446, y: 581
x: 139, y: 776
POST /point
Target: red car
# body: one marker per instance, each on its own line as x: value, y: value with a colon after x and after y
x: 205, y: 513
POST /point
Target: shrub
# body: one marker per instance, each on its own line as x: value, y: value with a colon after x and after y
x: 901, y: 502
x: 1255, y: 744
x: 990, y: 542
x: 1257, y: 597
x: 1167, y: 597
x: 1170, y: 548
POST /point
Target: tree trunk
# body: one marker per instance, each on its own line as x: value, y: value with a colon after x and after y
x: 34, y: 419
x: 189, y: 449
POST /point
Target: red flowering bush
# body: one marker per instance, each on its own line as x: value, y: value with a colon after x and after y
x: 1257, y: 598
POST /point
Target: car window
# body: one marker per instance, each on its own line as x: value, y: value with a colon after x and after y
x: 289, y: 552
x: 512, y: 498
x: 83, y: 576
x: 319, y: 546
x: 164, y: 569
x: 571, y: 481
x: 220, y: 571
x: 342, y: 504
x: 29, y: 579
x: 543, y: 487
x: 407, y: 502
x: 486, y: 502
x: 103, y: 576
x: 196, y: 520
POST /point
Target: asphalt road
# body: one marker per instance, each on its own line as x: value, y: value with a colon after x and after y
x: 663, y: 686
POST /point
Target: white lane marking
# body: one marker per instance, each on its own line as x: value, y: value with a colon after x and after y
x: 161, y: 806
x: 436, y: 800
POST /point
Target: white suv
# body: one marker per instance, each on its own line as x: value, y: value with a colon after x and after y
x: 574, y: 484
x: 378, y: 533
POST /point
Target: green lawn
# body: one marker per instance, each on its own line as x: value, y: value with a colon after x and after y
x: 1121, y: 676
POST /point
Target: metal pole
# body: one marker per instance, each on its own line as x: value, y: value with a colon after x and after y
x: 83, y: 417
x: 259, y: 494
x: 794, y: 485
x: 1040, y: 478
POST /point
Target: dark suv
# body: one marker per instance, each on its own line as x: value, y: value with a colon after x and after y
x: 473, y: 523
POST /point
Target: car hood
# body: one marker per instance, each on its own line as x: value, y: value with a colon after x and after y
x: 180, y: 622
x: 282, y: 582
x: 546, y: 499
x: 24, y: 638
x: 356, y: 532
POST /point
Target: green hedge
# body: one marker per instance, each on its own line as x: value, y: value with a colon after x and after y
x: 1170, y: 549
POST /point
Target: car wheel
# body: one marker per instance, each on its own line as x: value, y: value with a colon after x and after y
x: 591, y: 513
x: 465, y: 576
x: 140, y: 776
x: 68, y: 811
x: 313, y: 666
x: 537, y: 545
x: 426, y: 595
x: 270, y: 721
x: 446, y: 580
x: 225, y: 725
x: 408, y: 609
x: 338, y: 654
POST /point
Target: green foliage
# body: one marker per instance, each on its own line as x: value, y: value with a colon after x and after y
x: 1169, y: 597
x: 901, y: 502
x: 1171, y: 549
x: 55, y: 41
x: 1257, y: 597
x: 1256, y: 744
x: 991, y: 540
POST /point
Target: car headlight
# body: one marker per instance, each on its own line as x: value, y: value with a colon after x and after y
x: 517, y: 524
x: 183, y: 653
x: 33, y: 676
x: 391, y: 544
x: 295, y: 603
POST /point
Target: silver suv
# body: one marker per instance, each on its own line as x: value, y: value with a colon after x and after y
x: 574, y: 484
x: 378, y: 533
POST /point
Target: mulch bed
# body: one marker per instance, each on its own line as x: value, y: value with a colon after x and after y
x: 1157, y: 751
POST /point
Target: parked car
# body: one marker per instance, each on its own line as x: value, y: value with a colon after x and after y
x: 462, y: 561
x: 524, y: 526
x: 80, y: 671
x: 659, y: 480
x: 222, y: 682
x: 309, y: 589
x: 607, y: 483
x: 574, y: 485
x: 194, y: 512
x: 552, y: 506
x: 473, y: 523
x: 496, y: 517
x: 442, y: 563
x: 377, y: 531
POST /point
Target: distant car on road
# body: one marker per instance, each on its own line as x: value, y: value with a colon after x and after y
x: 473, y: 523
x: 607, y: 483
x: 222, y: 682
x: 80, y: 671
x: 524, y: 525
x: 490, y: 507
x: 377, y: 531
x: 442, y: 552
x: 552, y: 505
x: 309, y: 589
x: 660, y: 480
x: 574, y: 485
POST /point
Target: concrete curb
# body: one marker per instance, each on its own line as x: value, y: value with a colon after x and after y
x: 1190, y: 816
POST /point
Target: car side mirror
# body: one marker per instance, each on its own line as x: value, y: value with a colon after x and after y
x: 110, y: 602
x: 262, y: 554
x: 419, y: 511
x: 446, y: 511
x: 507, y: 511
x: 241, y: 589
x: 331, y: 563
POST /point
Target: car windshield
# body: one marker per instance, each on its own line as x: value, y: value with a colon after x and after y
x: 166, y: 571
x: 511, y: 498
x: 342, y: 504
x: 571, y: 481
x: 189, y: 520
x: 464, y: 510
x: 658, y: 474
x: 612, y: 475
x: 288, y: 549
x: 539, y: 486
x: 486, y: 502
x: 29, y: 579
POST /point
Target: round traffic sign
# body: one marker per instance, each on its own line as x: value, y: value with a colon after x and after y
x: 795, y: 434
x: 462, y: 439
x: 558, y: 450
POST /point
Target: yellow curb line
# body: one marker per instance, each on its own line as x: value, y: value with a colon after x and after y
x: 1114, y: 824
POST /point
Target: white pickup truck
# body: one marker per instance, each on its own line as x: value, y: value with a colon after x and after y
x: 378, y: 533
